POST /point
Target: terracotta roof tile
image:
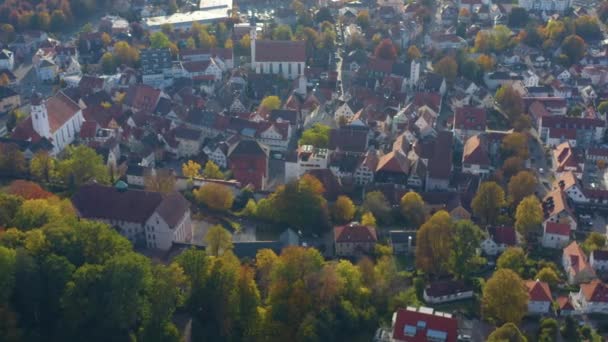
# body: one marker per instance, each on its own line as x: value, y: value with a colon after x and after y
x: 355, y: 233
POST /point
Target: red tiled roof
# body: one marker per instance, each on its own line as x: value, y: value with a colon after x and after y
x: 355, y: 233
x: 538, y: 291
x: 432, y: 100
x: 503, y: 235
x: 595, y: 291
x: 88, y: 130
x: 469, y: 117
x: 25, y: 131
x: 280, y: 51
x: 557, y: 228
x: 565, y: 304
x: 142, y: 97
x: 421, y: 323
x: 60, y: 109
x: 199, y: 66
x: 475, y: 151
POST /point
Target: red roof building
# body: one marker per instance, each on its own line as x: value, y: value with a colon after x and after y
x: 354, y: 239
x: 248, y: 160
x: 540, y: 296
x: 423, y: 324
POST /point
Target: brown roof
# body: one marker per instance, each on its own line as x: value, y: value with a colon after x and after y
x: 60, y: 109
x: 595, y: 291
x: 539, y: 291
x: 578, y: 259
x: 440, y: 165
x: 475, y: 151
x: 142, y: 97
x: 347, y: 139
x: 565, y: 303
x: 96, y: 201
x: 354, y: 232
x: 280, y: 51
x: 503, y: 235
x: 555, y: 202
x: 394, y: 161
x: 557, y: 228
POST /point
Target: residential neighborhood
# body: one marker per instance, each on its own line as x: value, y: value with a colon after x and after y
x: 306, y: 170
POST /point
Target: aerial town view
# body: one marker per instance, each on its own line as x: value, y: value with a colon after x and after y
x: 303, y: 170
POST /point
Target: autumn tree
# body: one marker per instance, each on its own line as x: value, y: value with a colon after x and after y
x: 507, y: 332
x: 159, y: 180
x: 510, y: 101
x: 587, y: 27
x: 529, y: 217
x: 386, y: 50
x: 12, y: 160
x: 212, y: 171
x: 521, y: 185
x: 433, y: 243
x: 368, y: 219
x: 191, y: 169
x: 125, y: 54
x: 463, y: 259
x: 412, y: 208
x: 413, y: 53
x: 513, y: 258
x: 42, y: 166
x: 515, y: 145
x: 282, y: 32
x: 447, y: 67
x: 505, y: 297
x: 28, y: 190
x: 343, y: 210
x: 363, y: 19
x: 486, y: 62
x: 218, y: 240
x: 159, y: 40
x: 574, y: 48
x: 271, y: 103
x: 488, y: 202
x: 214, y: 196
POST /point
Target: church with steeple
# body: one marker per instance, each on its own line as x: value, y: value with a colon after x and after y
x: 57, y: 119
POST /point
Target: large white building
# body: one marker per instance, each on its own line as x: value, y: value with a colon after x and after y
x: 278, y: 57
x: 57, y: 119
x: 545, y: 5
x: 150, y: 219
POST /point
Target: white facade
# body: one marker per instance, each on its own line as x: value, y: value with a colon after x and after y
x: 159, y: 235
x: 289, y: 70
x: 187, y: 147
x: 62, y: 136
x: 47, y: 72
x: 216, y: 156
x: 598, y: 264
x: 538, y: 307
x: 552, y: 240
x: 275, y: 140
x: 545, y: 5
x: 447, y: 298
x: 7, y: 60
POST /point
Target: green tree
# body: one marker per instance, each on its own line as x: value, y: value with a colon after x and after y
x: 529, y: 217
x: 8, y: 258
x: 594, y: 241
x: 343, y: 210
x: 515, y: 145
x: 574, y: 47
x: 377, y: 204
x: 317, y: 136
x: 214, y: 196
x: 82, y: 164
x: 159, y: 40
x: 548, y: 275
x: 282, y: 32
x: 212, y: 171
x: 488, y: 201
x: 434, y: 243
x: 507, y: 332
x: 505, y: 297
x: 412, y: 208
x: 218, y: 240
x: 42, y: 166
x: 464, y: 259
x: 512, y: 258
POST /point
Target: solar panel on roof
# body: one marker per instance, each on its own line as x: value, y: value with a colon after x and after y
x: 436, y: 335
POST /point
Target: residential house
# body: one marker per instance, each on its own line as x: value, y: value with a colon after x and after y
x: 423, y: 324
x: 557, y: 209
x: 499, y: 238
x: 7, y: 59
x: 349, y: 139
x: 599, y: 260
x: 147, y: 218
x: 223, y: 57
x: 203, y: 70
x: 555, y: 235
x: 440, y: 163
x: 402, y: 242
x: 57, y: 119
x: 572, y: 187
x: 449, y: 201
x: 9, y: 99
x: 354, y: 239
x: 141, y: 97
x: 497, y: 79
x: 364, y: 174
x: 566, y: 159
x: 540, y: 298
x: 576, y: 264
x: 550, y: 6
x: 581, y: 132
x: 157, y: 67
x: 446, y: 291
x: 248, y: 161
x: 591, y: 298
x: 475, y: 156
x: 308, y: 158
x: 565, y: 306
x: 189, y: 141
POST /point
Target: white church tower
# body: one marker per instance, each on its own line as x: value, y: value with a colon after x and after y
x: 253, y: 35
x: 40, y: 117
x: 414, y: 72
